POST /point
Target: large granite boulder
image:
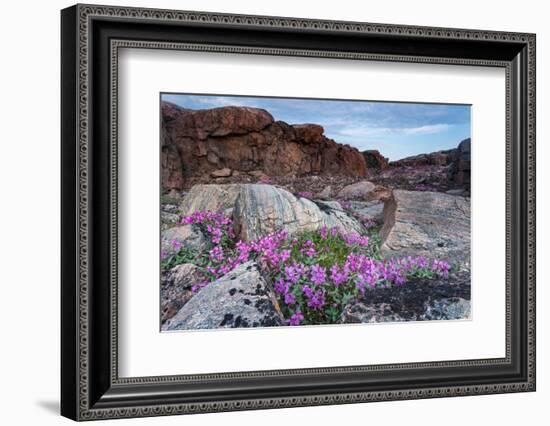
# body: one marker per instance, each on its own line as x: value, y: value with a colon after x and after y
x: 262, y: 209
x: 241, y: 298
x: 431, y: 224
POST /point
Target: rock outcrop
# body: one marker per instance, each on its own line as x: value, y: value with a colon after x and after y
x: 241, y: 298
x: 439, y: 158
x: 196, y: 143
x: 460, y: 170
x: 375, y: 160
x: 430, y: 224
x: 449, y: 169
x: 262, y: 209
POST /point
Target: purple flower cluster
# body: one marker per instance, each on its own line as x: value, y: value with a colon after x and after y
x: 296, y: 318
x: 345, y: 204
x: 315, y: 297
x: 308, y: 248
x: 216, y: 223
x: 308, y: 278
x: 338, y: 275
x: 356, y: 239
x: 318, y: 275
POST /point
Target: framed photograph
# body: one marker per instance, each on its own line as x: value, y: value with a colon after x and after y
x: 263, y: 212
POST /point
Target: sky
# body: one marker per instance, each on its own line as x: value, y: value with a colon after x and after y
x: 396, y: 129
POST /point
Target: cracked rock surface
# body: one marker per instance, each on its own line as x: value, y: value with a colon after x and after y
x: 241, y: 298
x: 431, y: 224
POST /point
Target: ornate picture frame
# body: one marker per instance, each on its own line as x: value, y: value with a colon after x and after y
x: 91, y: 37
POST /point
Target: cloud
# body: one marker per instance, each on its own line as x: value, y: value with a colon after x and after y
x: 429, y: 129
x: 365, y: 131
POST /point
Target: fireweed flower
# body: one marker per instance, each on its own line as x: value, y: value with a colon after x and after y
x: 318, y: 275
x: 356, y: 239
x: 292, y: 274
x: 281, y: 286
x: 290, y: 299
x: 176, y: 245
x: 308, y: 249
x: 296, y: 318
x: 316, y: 299
x: 323, y: 232
x: 346, y: 205
x: 337, y: 276
x: 216, y: 254
x: 441, y: 267
x: 307, y: 291
x: 284, y: 255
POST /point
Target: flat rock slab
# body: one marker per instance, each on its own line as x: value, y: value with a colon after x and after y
x: 262, y: 209
x: 241, y: 298
x: 428, y: 224
x: 371, y: 209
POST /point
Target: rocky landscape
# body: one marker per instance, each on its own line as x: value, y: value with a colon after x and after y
x: 270, y: 224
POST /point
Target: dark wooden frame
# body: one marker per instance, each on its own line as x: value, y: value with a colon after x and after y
x: 90, y: 386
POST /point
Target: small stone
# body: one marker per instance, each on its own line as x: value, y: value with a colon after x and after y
x: 212, y: 158
x: 448, y: 309
x: 225, y: 172
x: 363, y: 190
x: 326, y: 193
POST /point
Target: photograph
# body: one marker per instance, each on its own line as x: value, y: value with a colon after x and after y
x: 281, y: 212
x: 266, y: 209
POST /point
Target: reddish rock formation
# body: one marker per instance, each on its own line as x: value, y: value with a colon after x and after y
x: 439, y: 158
x: 375, y: 160
x: 460, y: 170
x: 196, y: 143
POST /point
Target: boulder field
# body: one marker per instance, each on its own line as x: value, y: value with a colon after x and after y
x: 432, y: 224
